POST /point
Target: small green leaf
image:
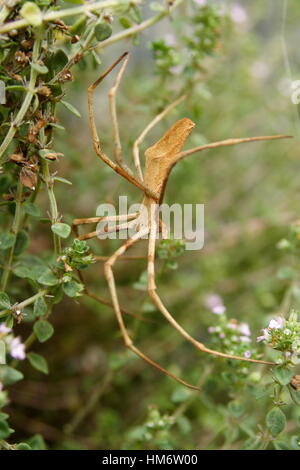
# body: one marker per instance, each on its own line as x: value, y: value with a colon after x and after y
x: 31, y: 12
x: 38, y: 362
x: 295, y: 395
x: 275, y: 421
x: 48, y: 278
x: 135, y: 14
x: 23, y: 446
x: 9, y: 375
x: 73, y: 288
x: 62, y: 230
x: 62, y: 180
x: 236, y: 408
x: 41, y: 69
x: 2, y: 352
x: 4, y: 301
x: 279, y: 445
x: 31, y: 209
x: 40, y: 307
x: 58, y: 60
x: 286, y: 272
x: 37, y: 442
x: 6, y: 240
x: 43, y: 330
x: 125, y: 22
x: 103, y: 31
x: 283, y: 375
x: 180, y: 395
x: 5, y: 430
x: 22, y: 242
x: 71, y: 108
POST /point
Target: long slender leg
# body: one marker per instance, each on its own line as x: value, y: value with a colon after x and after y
x: 115, y: 228
x: 139, y: 140
x: 95, y: 137
x: 89, y: 220
x: 228, y: 142
x: 112, y: 287
x: 113, y: 111
x: 159, y: 304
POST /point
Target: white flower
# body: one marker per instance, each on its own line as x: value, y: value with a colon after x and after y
x: 287, y: 332
x: 4, y: 329
x: 201, y: 3
x: 265, y: 336
x: 238, y: 14
x: 244, y: 329
x: 245, y: 339
x: 276, y: 324
x: 215, y: 303
x: 17, y: 349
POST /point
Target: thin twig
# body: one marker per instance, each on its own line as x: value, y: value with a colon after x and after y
x: 58, y: 14
x: 14, y: 230
x: 27, y: 100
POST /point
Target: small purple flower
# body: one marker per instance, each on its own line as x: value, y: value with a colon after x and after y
x: 244, y: 329
x: 215, y: 304
x: 17, y: 349
x: 222, y: 335
x: 264, y: 337
x: 277, y: 323
x: 4, y: 329
x: 211, y: 329
x: 238, y: 13
x: 245, y: 339
x: 247, y: 354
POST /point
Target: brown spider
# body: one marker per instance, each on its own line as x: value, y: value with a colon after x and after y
x: 160, y: 159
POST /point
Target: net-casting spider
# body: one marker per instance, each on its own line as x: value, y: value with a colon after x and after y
x: 160, y: 159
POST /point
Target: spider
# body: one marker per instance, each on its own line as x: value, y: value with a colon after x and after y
x: 159, y: 161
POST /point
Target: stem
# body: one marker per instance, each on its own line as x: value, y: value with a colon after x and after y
x: 73, y: 59
x: 137, y: 28
x: 56, y: 15
x: 4, y: 13
x: 53, y: 205
x: 90, y: 405
x: 14, y: 231
x: 27, y: 100
x: 26, y: 302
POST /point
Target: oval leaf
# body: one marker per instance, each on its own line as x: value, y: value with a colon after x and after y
x: 71, y: 108
x: 103, y: 31
x: 38, y: 362
x: 62, y: 230
x: 275, y: 421
x: 43, y: 330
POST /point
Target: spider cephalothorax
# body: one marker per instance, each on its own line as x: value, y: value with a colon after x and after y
x: 160, y: 158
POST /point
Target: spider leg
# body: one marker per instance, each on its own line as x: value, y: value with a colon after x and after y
x: 90, y: 220
x: 113, y: 112
x: 139, y: 140
x: 115, y: 228
x: 112, y: 287
x: 159, y: 304
x: 228, y: 142
x: 96, y: 141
